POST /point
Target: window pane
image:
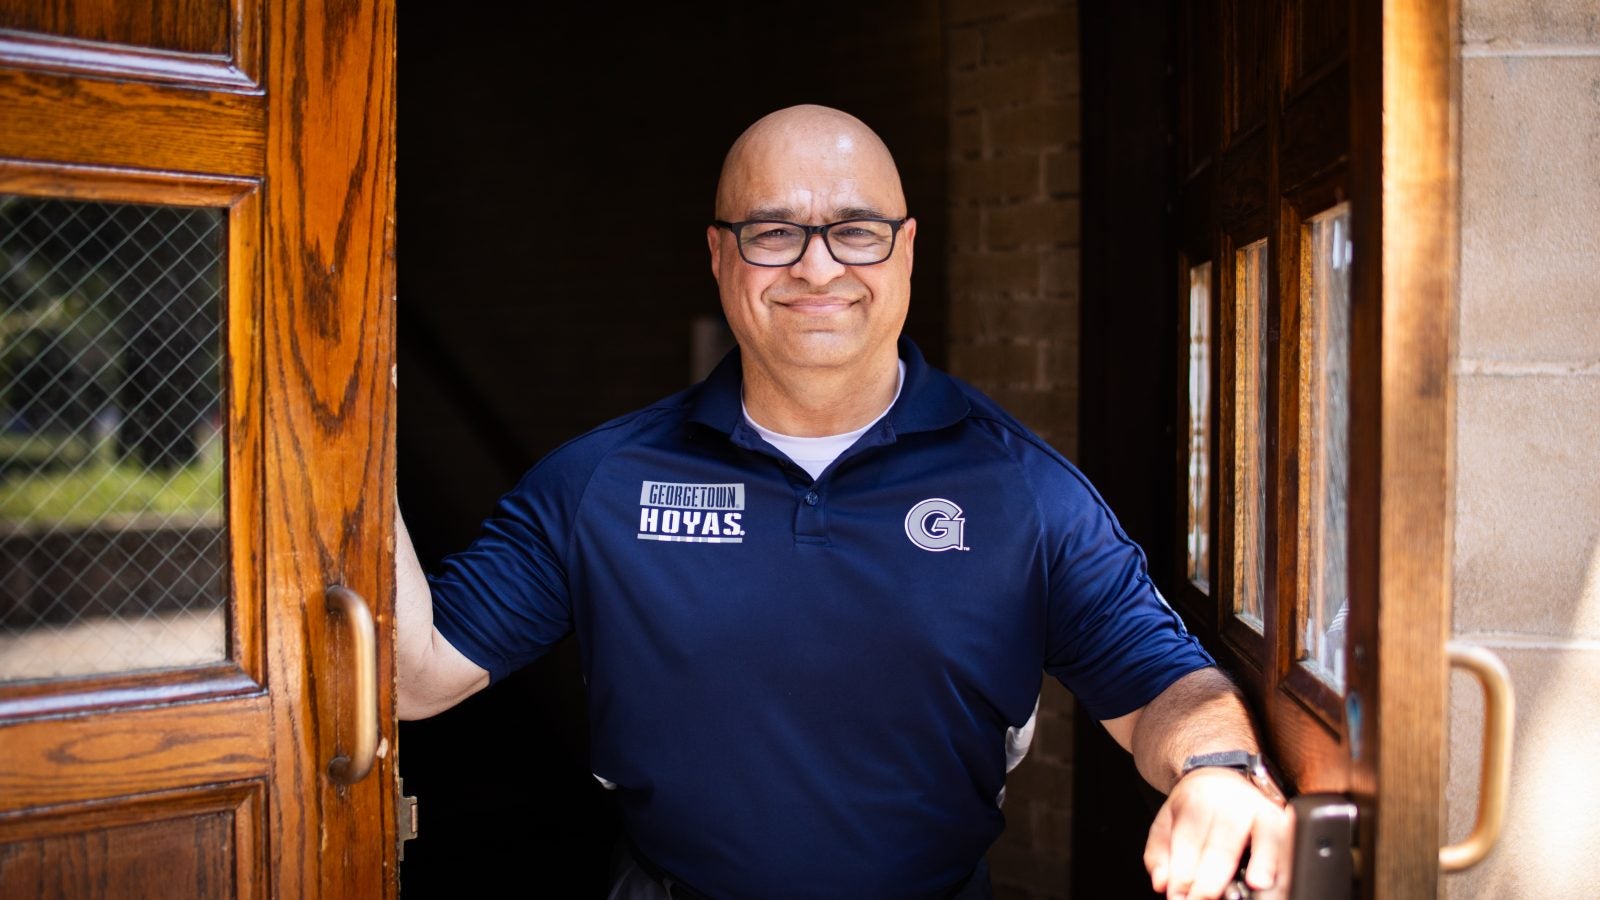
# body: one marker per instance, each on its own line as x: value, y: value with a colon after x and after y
x: 112, y: 541
x: 1250, y: 428
x: 1324, y: 446
x: 1199, y: 536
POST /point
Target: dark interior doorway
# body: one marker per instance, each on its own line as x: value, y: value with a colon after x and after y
x: 556, y: 172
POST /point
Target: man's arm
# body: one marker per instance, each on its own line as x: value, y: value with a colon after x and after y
x: 434, y: 676
x: 1211, y: 814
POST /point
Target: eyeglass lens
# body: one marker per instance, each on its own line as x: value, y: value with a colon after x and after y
x: 854, y: 243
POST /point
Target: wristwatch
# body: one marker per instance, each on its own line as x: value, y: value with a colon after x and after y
x: 1251, y: 765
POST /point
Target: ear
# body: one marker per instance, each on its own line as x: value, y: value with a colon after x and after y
x: 712, y: 236
x: 908, y: 234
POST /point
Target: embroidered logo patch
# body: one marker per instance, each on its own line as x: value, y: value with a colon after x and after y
x: 691, y: 513
x: 936, y: 525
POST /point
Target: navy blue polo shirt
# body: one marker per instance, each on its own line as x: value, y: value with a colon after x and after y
x: 802, y: 688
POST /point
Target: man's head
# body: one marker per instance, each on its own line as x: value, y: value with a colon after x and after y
x: 811, y: 165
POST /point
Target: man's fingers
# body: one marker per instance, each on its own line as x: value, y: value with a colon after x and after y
x: 1268, y: 846
x: 1218, y: 859
x: 1202, y: 830
x: 1158, y: 850
x: 1189, y: 829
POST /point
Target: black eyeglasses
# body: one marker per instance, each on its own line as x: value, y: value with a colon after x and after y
x: 852, y: 242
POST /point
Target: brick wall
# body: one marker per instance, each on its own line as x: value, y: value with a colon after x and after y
x: 1014, y: 135
x: 1013, y: 267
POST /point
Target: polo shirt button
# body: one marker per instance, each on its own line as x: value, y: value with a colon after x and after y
x: 811, y: 498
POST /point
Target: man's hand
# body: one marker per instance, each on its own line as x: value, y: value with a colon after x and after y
x: 1201, y: 832
x: 1211, y: 814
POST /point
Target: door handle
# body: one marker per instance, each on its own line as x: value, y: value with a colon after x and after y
x: 1494, y: 776
x: 354, y: 766
x: 1322, y: 861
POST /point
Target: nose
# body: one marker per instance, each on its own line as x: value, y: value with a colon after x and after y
x: 816, y: 265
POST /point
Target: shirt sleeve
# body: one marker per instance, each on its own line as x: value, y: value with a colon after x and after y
x: 1113, y: 639
x: 505, y: 600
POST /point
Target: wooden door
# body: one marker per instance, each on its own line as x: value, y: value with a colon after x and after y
x: 1315, y: 279
x: 196, y: 442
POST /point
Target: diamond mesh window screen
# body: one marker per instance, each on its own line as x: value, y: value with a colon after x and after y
x: 113, y: 547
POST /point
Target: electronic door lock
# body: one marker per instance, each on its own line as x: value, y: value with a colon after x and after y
x: 1322, y: 864
x: 1324, y: 860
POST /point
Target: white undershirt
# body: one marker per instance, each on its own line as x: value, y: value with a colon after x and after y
x: 814, y: 454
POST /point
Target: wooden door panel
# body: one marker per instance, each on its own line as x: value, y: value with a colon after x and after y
x: 1245, y: 186
x: 1306, y: 131
x: 87, y: 757
x: 88, y: 121
x: 1251, y: 59
x: 189, y: 844
x: 1319, y: 35
x: 298, y: 150
x: 1316, y: 129
x: 186, y: 26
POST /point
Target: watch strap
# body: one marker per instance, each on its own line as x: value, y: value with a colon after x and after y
x: 1252, y: 766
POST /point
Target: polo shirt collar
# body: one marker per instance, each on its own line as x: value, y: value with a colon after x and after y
x: 929, y: 399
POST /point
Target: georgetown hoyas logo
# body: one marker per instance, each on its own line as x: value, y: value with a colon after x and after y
x: 936, y: 525
x: 691, y: 513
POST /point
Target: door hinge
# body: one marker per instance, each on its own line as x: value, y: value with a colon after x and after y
x: 406, y: 812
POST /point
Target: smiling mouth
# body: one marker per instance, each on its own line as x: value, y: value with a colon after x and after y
x: 816, y: 305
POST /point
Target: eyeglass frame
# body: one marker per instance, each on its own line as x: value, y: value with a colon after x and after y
x: 821, y: 230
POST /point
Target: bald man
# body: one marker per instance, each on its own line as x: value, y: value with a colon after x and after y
x: 815, y: 592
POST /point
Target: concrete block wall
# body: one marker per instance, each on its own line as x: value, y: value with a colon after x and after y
x: 1527, y: 533
x: 1015, y: 130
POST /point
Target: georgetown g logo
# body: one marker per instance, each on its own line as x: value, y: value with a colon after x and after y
x: 935, y: 524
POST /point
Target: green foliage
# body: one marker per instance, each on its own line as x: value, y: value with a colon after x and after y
x: 102, y: 488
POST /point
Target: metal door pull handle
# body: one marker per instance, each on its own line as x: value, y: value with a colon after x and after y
x: 351, y: 768
x: 1494, y: 778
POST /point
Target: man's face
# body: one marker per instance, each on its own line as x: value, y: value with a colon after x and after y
x: 816, y: 312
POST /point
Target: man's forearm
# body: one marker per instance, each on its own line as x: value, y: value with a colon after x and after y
x: 433, y: 676
x: 1201, y: 712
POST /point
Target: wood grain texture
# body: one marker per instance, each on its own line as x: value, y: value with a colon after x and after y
x: 24, y: 50
x: 57, y: 118
x: 310, y: 333
x: 1316, y: 129
x: 21, y: 700
x: 1253, y: 63
x: 1319, y: 34
x: 112, y: 185
x: 53, y: 761
x: 245, y: 387
x: 329, y: 428
x: 1406, y: 200
x: 181, y: 844
x: 1243, y: 202
x: 190, y: 26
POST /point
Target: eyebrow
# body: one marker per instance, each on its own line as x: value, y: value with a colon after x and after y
x: 786, y: 213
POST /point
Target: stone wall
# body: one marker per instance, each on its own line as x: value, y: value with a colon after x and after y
x: 1527, y: 532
